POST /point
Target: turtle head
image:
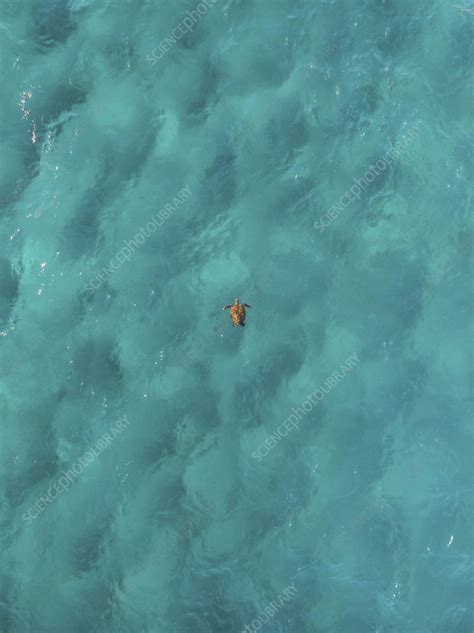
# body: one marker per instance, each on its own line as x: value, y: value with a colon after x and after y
x: 236, y: 302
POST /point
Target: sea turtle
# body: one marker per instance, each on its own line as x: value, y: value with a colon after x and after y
x: 237, y: 312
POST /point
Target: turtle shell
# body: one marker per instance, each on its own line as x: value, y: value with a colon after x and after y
x: 237, y: 314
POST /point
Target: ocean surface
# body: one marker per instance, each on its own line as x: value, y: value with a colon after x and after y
x: 159, y: 159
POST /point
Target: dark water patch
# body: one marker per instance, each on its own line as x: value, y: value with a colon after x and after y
x: 464, y: 153
x: 90, y: 545
x: 46, y: 121
x: 101, y: 299
x: 220, y: 186
x: 207, y: 615
x: 397, y: 37
x: 189, y: 42
x: 384, y: 180
x: 395, y: 398
x: 250, y: 395
x: 183, y: 425
x: 286, y: 129
x: 121, y: 55
x: 125, y: 157
x: 207, y: 95
x: 364, y: 101
x: 376, y: 296
x: 12, y: 190
x: 332, y: 50
x: 70, y: 614
x: 384, y: 9
x: 40, y: 460
x: 118, y: 169
x: 203, y: 591
x: 96, y: 366
x: 460, y: 58
x: 46, y: 110
x: 389, y: 545
x: 412, y: 382
x: 12, y: 617
x: 9, y: 288
x: 238, y: 137
x: 167, y: 491
x: 60, y: 101
x: 7, y: 621
x: 53, y: 23
x: 197, y: 244
x: 287, y: 297
x: 377, y: 209
x: 81, y: 235
x: 255, y: 387
x: 291, y: 491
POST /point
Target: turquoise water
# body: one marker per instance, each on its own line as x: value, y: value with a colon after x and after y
x: 147, y: 179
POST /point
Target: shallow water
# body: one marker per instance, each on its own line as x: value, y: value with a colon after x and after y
x: 267, y: 111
